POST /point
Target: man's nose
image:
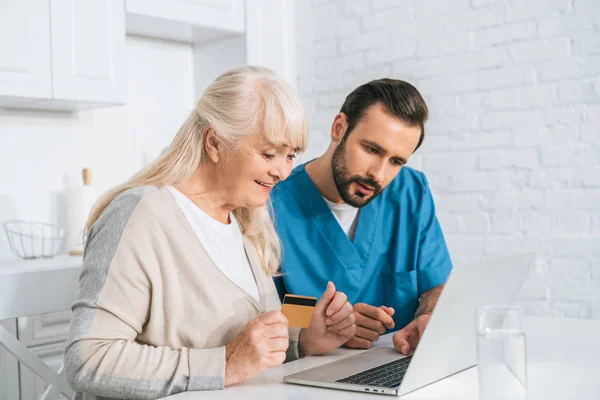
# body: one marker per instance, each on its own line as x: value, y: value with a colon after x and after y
x: 377, y: 172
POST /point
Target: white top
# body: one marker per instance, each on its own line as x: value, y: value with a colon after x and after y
x: 346, y: 215
x: 223, y: 243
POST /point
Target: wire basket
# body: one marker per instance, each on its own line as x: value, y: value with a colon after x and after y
x: 31, y: 239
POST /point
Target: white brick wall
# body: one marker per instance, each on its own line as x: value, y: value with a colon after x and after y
x: 512, y: 150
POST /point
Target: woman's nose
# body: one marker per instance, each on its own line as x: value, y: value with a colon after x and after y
x: 282, y: 169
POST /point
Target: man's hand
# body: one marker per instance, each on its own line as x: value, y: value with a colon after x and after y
x: 407, y: 338
x: 371, y: 322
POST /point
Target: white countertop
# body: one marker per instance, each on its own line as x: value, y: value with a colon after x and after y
x: 15, y: 265
x: 563, y: 363
x: 29, y: 287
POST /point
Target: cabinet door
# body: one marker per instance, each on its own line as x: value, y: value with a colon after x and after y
x: 226, y: 16
x: 42, y: 329
x: 88, y: 50
x: 24, y: 50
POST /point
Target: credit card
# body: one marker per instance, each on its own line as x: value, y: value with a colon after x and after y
x: 298, y: 310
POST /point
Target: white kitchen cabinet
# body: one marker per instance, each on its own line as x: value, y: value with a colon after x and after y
x: 44, y: 329
x: 39, y: 294
x: 32, y: 386
x: 62, y: 54
x: 268, y: 41
x: 70, y: 54
x: 24, y: 51
x: 191, y: 21
x: 9, y: 367
x: 225, y: 33
x: 88, y: 50
x: 45, y: 336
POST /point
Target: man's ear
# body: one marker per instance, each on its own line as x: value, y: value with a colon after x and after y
x: 339, y: 127
x: 211, y: 144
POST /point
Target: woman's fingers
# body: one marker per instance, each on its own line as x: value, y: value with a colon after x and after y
x: 336, y: 304
x: 346, y: 322
x: 344, y: 312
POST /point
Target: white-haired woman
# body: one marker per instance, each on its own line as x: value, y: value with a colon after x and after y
x: 176, y: 291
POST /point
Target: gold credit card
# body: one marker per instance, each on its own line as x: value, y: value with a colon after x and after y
x: 298, y: 310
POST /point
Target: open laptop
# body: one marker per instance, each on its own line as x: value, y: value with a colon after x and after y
x: 448, y: 344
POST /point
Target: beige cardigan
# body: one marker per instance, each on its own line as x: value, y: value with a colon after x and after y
x: 153, y: 313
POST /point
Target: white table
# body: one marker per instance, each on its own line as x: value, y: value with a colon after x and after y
x: 564, y: 363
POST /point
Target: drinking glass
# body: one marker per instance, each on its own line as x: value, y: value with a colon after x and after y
x: 501, y: 353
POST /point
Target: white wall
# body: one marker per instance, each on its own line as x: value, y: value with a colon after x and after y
x: 512, y: 145
x: 38, y: 150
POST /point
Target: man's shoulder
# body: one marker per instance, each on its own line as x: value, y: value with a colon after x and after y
x: 296, y: 174
x: 284, y: 188
x: 409, y: 178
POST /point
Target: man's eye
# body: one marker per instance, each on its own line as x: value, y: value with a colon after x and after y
x: 372, y: 150
x: 269, y: 156
x: 396, y: 163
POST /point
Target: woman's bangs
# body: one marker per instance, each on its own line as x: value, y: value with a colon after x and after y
x: 287, y: 128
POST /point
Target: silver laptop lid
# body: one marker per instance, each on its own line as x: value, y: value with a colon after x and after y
x: 448, y: 344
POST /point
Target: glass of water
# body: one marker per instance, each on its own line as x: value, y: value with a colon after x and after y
x: 501, y: 353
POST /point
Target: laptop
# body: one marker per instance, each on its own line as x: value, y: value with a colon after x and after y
x: 448, y: 344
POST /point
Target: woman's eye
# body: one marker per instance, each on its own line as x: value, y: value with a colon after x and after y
x: 291, y: 157
x: 269, y: 156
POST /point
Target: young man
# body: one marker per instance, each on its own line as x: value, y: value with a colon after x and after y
x: 358, y: 217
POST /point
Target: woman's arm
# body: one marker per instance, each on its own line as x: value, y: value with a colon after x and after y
x: 105, y: 360
x: 102, y: 356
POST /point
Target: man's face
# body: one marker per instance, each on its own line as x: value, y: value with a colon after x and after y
x: 372, y: 155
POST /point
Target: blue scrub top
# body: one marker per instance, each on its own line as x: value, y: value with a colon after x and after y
x: 397, y: 254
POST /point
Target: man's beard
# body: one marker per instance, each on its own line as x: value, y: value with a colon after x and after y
x: 343, y: 180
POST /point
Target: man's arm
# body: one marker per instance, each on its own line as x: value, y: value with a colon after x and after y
x: 428, y: 300
x: 407, y: 339
x: 433, y: 266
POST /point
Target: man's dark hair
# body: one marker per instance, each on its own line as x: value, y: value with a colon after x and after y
x: 399, y: 98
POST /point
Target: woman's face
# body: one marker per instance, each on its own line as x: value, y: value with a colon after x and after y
x: 248, y: 175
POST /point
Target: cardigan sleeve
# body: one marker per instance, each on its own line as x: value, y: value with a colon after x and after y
x: 292, y: 352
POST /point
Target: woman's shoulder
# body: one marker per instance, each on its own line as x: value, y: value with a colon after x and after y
x: 127, y: 200
x: 120, y: 209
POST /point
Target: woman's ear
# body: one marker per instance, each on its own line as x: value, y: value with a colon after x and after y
x: 339, y: 127
x: 211, y: 144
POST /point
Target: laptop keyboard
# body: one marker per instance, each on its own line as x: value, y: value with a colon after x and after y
x: 387, y: 375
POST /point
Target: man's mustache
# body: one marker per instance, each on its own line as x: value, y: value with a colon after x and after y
x: 366, y: 182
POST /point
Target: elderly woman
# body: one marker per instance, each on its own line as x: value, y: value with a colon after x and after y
x: 176, y: 292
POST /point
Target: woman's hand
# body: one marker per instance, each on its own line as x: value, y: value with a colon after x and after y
x: 331, y: 326
x: 260, y: 345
